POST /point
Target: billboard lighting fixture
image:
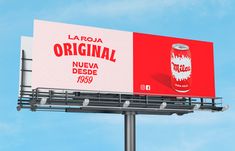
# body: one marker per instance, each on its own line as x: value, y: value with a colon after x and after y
x: 163, y: 105
x: 43, y: 101
x: 226, y: 107
x: 58, y: 106
x: 126, y: 103
x: 85, y: 102
x: 197, y: 107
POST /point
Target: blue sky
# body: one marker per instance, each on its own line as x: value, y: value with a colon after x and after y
x: 208, y: 20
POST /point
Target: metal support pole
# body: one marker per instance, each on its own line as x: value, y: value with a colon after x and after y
x: 129, y: 131
x: 22, y: 77
x: 213, y: 102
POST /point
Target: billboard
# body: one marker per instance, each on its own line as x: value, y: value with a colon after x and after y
x: 87, y: 58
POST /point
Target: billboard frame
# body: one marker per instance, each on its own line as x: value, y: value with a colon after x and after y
x: 79, y: 57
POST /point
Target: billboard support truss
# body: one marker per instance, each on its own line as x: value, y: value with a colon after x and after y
x: 106, y: 102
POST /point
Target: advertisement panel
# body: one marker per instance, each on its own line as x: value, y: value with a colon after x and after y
x: 83, y: 58
x: 173, y: 66
x: 87, y: 58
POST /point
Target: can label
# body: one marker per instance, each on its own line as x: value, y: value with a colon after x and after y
x: 181, y: 68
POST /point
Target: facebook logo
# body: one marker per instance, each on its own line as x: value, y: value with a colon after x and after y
x: 145, y: 87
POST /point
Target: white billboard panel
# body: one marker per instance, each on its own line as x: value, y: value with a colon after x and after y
x: 80, y: 57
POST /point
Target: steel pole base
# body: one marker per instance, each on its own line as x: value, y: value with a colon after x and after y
x: 129, y: 131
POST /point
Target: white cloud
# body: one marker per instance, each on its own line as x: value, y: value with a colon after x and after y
x: 197, y: 118
x: 4, y: 127
x: 121, y: 8
x: 135, y: 8
x: 202, y: 129
x: 184, y: 143
x: 113, y: 119
x: 8, y: 128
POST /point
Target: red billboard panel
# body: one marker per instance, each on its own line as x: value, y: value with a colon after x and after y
x: 173, y: 66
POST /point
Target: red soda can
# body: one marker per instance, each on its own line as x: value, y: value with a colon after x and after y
x: 181, y: 68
